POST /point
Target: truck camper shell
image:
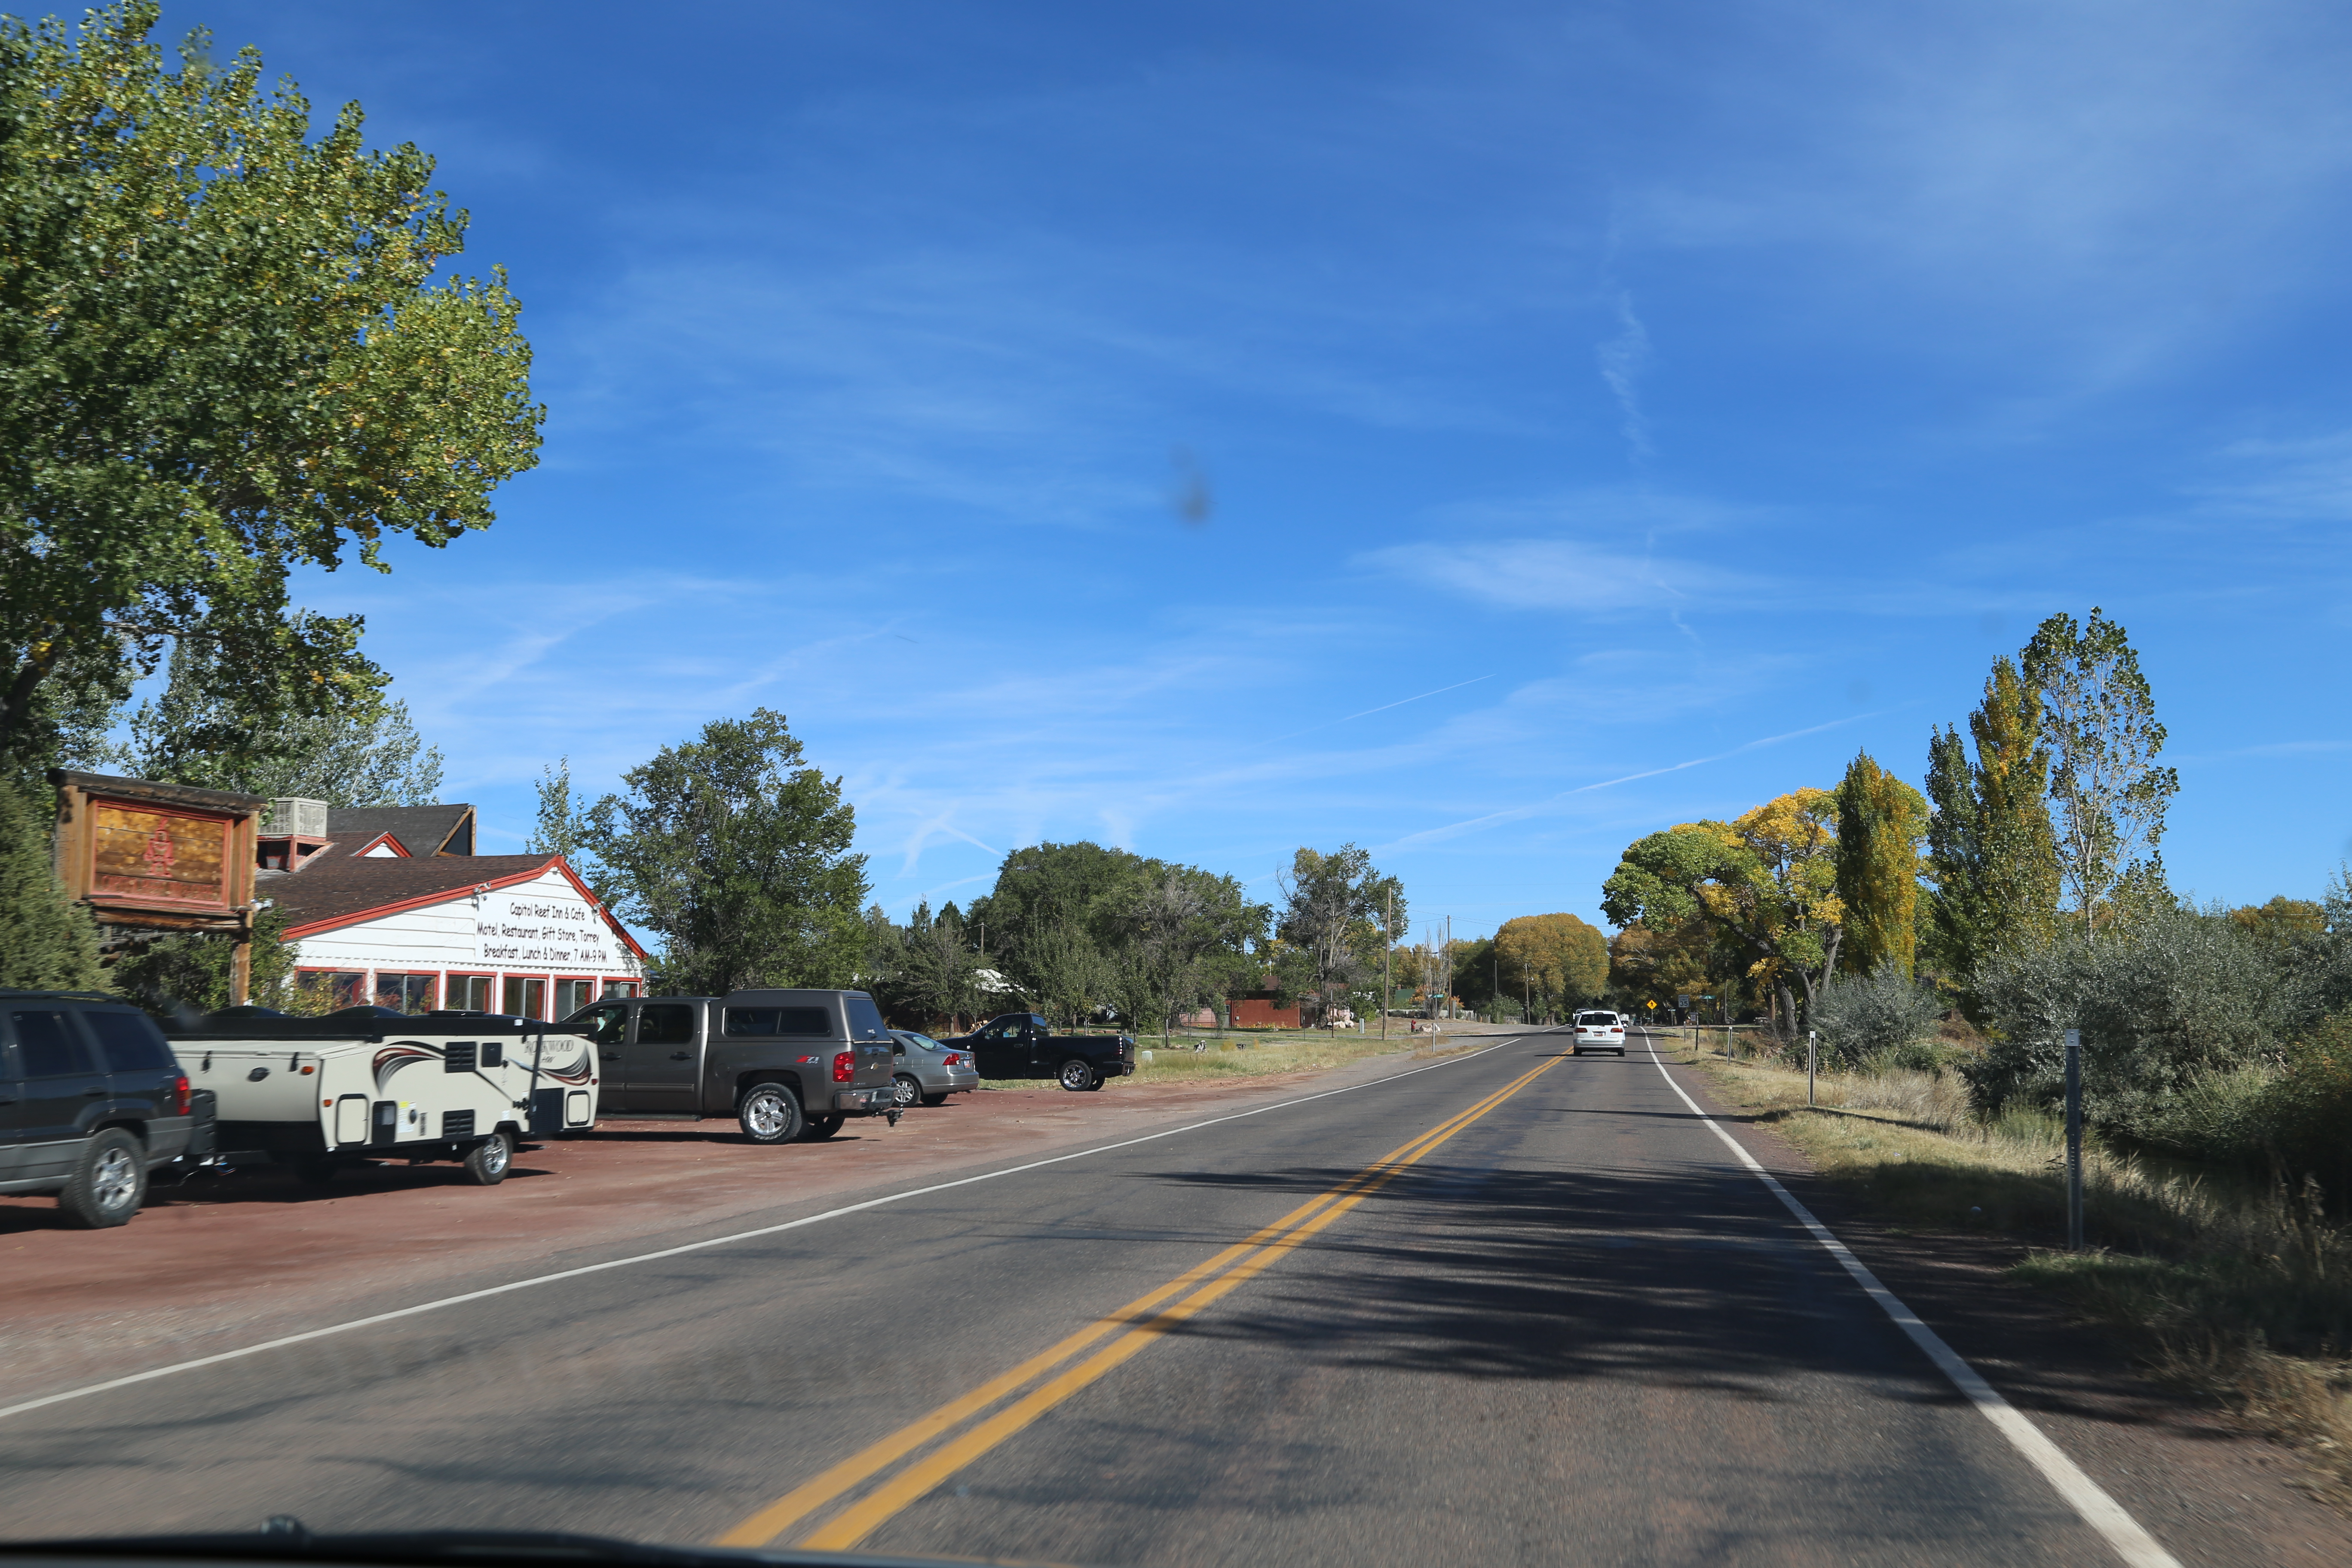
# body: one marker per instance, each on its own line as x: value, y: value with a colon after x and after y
x: 369, y: 1083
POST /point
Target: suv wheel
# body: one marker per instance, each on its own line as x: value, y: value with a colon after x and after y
x: 108, y: 1182
x: 770, y: 1113
x: 1077, y: 1075
x: 907, y: 1089
x: 488, y: 1162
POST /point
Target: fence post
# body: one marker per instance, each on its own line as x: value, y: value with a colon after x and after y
x: 2074, y: 1140
x: 1810, y: 1038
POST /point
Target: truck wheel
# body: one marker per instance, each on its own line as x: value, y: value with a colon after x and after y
x: 108, y: 1180
x: 820, y: 1127
x: 488, y: 1162
x: 1098, y: 1082
x: 1077, y: 1075
x: 907, y: 1089
x: 770, y: 1113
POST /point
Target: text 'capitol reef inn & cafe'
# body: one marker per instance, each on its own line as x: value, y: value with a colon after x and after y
x: 392, y: 906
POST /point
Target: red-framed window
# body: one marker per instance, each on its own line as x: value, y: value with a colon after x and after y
x: 407, y: 993
x: 344, y: 988
x: 570, y: 995
x: 470, y: 993
x: 524, y: 995
x: 624, y: 988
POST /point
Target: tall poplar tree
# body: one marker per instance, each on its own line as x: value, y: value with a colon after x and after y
x: 1880, y: 821
x: 1991, y: 851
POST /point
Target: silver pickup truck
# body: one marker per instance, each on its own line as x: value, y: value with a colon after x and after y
x: 783, y: 1064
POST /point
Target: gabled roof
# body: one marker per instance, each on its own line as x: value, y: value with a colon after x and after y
x: 423, y: 830
x: 336, y: 890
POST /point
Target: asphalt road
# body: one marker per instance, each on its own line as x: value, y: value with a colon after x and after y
x: 1513, y: 1308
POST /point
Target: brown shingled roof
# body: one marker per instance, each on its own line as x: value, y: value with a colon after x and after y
x: 332, y: 889
x: 423, y: 830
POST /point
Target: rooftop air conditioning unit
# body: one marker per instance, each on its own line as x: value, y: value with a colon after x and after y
x: 297, y: 819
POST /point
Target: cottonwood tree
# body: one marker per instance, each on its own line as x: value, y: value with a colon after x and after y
x: 1880, y: 822
x: 736, y: 854
x: 2099, y: 718
x: 1767, y: 883
x: 223, y: 356
x: 1552, y: 959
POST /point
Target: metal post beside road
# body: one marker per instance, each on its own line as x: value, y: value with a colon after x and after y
x: 1809, y: 1039
x: 2074, y: 1140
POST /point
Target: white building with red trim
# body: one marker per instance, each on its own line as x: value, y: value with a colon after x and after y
x: 393, y: 907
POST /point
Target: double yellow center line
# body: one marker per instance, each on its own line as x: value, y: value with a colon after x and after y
x: 1144, y: 1319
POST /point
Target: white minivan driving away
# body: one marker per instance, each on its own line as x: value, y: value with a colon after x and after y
x: 1598, y: 1032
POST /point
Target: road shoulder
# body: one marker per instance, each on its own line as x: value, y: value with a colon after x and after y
x: 2206, y: 1487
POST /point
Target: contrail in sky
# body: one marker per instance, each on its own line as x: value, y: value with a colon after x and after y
x: 1518, y: 811
x: 1385, y: 707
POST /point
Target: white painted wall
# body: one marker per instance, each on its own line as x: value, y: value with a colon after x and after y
x: 543, y: 927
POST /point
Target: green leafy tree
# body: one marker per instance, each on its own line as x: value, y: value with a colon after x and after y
x: 1880, y: 822
x: 1341, y: 911
x: 223, y: 356
x: 737, y: 855
x: 1660, y: 965
x: 202, y: 730
x: 46, y: 941
x: 2098, y: 715
x: 1186, y: 935
x: 927, y: 967
x: 1993, y: 853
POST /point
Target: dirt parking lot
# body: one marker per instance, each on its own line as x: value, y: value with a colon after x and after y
x: 225, y: 1261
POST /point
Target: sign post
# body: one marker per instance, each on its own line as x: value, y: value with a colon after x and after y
x: 1811, y: 1039
x: 2074, y: 1140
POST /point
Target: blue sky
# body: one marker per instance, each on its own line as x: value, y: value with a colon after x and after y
x: 1486, y: 433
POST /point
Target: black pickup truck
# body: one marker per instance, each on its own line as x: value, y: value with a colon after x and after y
x: 1022, y: 1044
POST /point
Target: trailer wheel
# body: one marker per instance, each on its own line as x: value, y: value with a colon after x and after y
x: 316, y: 1170
x: 770, y: 1113
x: 108, y: 1180
x: 488, y: 1162
x: 822, y: 1127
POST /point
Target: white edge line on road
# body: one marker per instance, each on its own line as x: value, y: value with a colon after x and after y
x: 2100, y: 1511
x: 153, y: 1373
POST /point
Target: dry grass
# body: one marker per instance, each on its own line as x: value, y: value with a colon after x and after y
x: 2243, y: 1294
x: 1254, y: 1054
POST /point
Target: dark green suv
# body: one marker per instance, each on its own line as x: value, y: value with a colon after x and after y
x: 91, y: 1098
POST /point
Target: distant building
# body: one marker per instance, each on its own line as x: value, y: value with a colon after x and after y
x: 392, y: 906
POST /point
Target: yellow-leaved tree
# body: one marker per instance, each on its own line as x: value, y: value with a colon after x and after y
x: 1549, y: 961
x: 1767, y: 882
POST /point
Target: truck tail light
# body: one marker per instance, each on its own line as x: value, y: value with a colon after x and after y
x: 180, y: 1095
x: 844, y: 1066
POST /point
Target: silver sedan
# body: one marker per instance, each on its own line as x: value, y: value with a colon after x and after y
x: 927, y: 1071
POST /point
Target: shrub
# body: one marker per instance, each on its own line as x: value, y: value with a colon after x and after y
x: 1864, y: 1017
x: 2180, y: 997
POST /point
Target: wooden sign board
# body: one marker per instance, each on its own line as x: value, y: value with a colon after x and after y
x: 161, y: 857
